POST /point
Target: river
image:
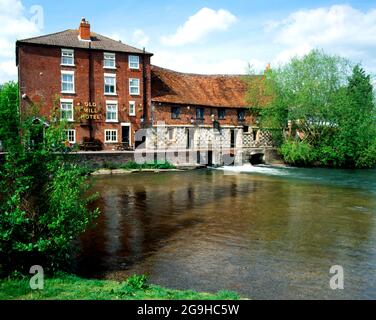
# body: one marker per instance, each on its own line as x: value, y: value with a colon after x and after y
x: 264, y: 232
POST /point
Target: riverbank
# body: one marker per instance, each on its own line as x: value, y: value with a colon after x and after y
x: 68, y: 287
x: 133, y: 167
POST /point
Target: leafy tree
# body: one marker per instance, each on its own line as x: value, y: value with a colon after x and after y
x: 9, y: 113
x: 356, y: 135
x: 326, y: 105
x: 43, y: 207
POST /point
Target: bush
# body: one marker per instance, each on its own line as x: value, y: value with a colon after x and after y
x: 367, y: 158
x: 297, y: 153
x: 42, y: 207
x: 154, y: 165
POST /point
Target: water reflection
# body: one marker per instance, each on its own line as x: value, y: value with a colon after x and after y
x: 263, y: 236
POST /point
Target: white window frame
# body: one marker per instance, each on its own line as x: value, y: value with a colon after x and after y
x: 112, y: 103
x: 113, y: 58
x: 74, y: 136
x: 64, y: 72
x: 138, y: 87
x: 132, y: 104
x: 109, y: 75
x: 137, y: 67
x: 111, y: 141
x: 66, y: 101
x: 67, y: 51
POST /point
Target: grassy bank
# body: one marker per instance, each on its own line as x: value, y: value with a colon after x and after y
x: 129, y: 166
x: 68, y: 287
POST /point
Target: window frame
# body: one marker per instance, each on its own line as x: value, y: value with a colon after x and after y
x: 71, y: 73
x: 130, y: 63
x: 224, y: 114
x: 203, y: 113
x: 112, y: 76
x: 112, y: 103
x: 173, y: 117
x: 133, y: 103
x: 111, y: 131
x: 111, y: 54
x: 70, y: 51
x: 66, y: 101
x: 74, y: 136
x: 138, y: 87
x: 241, y: 111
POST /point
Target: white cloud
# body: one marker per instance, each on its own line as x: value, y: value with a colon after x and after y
x: 339, y: 29
x: 140, y: 38
x: 14, y: 25
x: 199, y: 26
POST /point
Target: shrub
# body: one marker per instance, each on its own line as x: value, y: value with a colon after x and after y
x: 150, y: 165
x: 297, y: 153
x: 42, y: 204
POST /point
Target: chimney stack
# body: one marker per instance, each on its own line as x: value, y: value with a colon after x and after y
x: 84, y: 30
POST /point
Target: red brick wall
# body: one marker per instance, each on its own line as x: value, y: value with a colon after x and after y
x: 40, y: 80
x: 163, y: 113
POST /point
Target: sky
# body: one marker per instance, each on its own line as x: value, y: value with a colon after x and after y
x: 220, y: 37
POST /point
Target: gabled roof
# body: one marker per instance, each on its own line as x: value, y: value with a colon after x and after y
x: 69, y: 39
x: 204, y: 90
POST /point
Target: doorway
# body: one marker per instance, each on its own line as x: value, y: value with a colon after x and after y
x: 126, y: 135
x: 233, y: 139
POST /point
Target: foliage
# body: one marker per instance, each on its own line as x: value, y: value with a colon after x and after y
x: 137, y: 282
x: 9, y: 114
x: 42, y: 207
x: 133, y: 285
x: 330, y: 104
x: 150, y: 165
x: 297, y: 153
x: 67, y: 287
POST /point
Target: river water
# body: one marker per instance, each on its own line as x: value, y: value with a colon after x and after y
x: 264, y: 232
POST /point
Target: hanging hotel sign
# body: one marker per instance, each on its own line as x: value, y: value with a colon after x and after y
x: 89, y: 111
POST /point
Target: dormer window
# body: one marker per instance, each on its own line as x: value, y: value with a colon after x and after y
x: 67, y: 57
x: 109, y: 60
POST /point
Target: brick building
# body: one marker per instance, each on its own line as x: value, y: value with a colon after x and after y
x: 101, y: 86
x: 108, y: 91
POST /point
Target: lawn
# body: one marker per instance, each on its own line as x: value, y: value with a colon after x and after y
x: 67, y: 287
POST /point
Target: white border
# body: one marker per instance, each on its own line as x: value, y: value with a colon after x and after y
x: 61, y: 81
x: 139, y: 86
x: 113, y: 102
x: 67, y: 101
x: 105, y: 136
x: 109, y: 75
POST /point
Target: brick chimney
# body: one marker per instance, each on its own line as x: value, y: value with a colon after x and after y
x: 84, y: 30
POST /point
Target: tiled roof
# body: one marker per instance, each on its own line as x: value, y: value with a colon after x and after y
x: 69, y: 39
x: 193, y: 89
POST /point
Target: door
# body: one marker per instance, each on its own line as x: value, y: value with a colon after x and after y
x: 126, y: 136
x: 233, y: 139
x: 189, y: 136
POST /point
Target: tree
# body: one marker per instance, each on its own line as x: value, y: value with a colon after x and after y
x: 357, y: 124
x: 9, y: 113
x: 327, y: 106
x: 43, y: 199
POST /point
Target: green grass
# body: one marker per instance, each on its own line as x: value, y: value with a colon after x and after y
x: 87, y: 169
x: 156, y: 165
x: 67, y: 287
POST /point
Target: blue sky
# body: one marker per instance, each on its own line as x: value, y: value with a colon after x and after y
x: 203, y: 36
